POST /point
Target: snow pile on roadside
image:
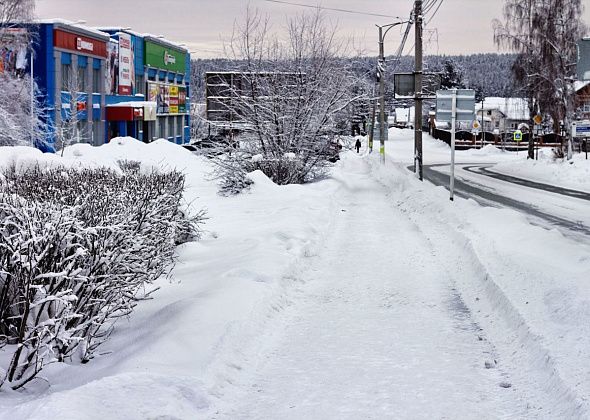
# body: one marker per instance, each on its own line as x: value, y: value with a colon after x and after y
x: 573, y: 174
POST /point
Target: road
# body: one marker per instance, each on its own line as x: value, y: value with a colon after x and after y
x: 546, y: 205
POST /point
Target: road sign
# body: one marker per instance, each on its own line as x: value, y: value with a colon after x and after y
x: 475, y: 125
x: 581, y: 129
x: 518, y: 136
x: 465, y: 105
x: 538, y: 119
x: 583, y: 65
x: 404, y: 84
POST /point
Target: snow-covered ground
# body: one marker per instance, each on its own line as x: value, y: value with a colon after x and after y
x: 367, y: 295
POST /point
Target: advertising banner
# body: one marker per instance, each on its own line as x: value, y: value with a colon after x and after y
x: 173, y: 99
x: 111, y: 73
x: 182, y: 100
x: 126, y: 65
x: 164, y: 58
x: 163, y: 99
x: 152, y: 92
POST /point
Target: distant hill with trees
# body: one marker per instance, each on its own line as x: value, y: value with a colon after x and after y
x: 488, y: 74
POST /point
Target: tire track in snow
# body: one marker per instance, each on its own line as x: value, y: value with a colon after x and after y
x: 373, y: 341
x: 530, y: 361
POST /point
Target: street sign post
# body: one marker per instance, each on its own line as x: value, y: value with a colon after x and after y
x: 455, y: 105
x: 465, y: 105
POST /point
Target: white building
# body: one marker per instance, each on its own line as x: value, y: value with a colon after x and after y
x: 502, y: 114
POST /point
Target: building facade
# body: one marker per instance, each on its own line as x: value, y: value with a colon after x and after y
x: 100, y: 84
x: 148, y: 82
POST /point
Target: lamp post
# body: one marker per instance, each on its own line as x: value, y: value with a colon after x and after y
x: 381, y: 75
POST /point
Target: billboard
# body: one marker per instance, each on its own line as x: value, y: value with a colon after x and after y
x: 164, y: 58
x: 126, y: 65
x: 170, y: 99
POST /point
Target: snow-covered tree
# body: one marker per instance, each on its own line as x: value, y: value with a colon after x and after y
x: 70, y: 130
x: 22, y: 117
x: 451, y: 75
x: 287, y: 96
x: 543, y: 33
x: 15, y: 12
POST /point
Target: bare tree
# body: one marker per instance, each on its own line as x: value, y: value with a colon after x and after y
x: 15, y: 12
x: 71, y: 129
x: 543, y: 33
x: 286, y: 97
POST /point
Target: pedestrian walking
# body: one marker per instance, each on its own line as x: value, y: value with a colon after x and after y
x: 357, y: 145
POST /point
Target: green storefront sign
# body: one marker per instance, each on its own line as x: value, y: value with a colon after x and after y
x: 164, y: 58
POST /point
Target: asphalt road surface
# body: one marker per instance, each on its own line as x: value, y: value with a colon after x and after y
x: 487, y: 195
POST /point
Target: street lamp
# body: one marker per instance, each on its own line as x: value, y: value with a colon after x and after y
x: 381, y: 74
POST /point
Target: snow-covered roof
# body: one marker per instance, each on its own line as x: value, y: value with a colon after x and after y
x: 77, y: 27
x: 159, y: 39
x: 120, y: 29
x: 580, y: 84
x: 512, y: 108
x: 133, y: 104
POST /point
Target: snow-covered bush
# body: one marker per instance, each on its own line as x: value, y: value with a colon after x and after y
x: 78, y: 247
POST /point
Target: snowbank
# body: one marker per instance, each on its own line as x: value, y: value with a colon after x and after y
x: 574, y: 174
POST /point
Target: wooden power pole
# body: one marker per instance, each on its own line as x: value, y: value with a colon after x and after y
x: 418, y: 90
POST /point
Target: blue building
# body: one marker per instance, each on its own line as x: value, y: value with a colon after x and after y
x: 105, y: 83
x: 148, y: 87
x: 68, y: 63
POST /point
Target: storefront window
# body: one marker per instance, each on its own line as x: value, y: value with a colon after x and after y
x: 180, y: 125
x: 81, y: 79
x: 171, y: 129
x: 65, y: 76
x: 139, y: 85
x: 162, y: 128
x: 96, y: 80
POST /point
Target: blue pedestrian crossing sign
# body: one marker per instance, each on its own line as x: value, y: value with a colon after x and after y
x: 518, y: 135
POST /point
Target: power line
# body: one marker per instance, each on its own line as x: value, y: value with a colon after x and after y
x: 331, y: 8
x: 434, y: 14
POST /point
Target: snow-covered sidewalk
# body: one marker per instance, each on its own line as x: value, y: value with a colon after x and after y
x: 378, y: 330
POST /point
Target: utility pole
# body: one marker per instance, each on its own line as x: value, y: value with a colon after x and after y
x: 381, y: 72
x: 32, y: 96
x: 418, y: 90
x: 453, y: 129
x: 381, y: 75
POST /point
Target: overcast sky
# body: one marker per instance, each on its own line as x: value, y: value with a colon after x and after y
x: 459, y: 27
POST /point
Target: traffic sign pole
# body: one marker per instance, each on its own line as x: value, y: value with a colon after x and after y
x: 453, y: 122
